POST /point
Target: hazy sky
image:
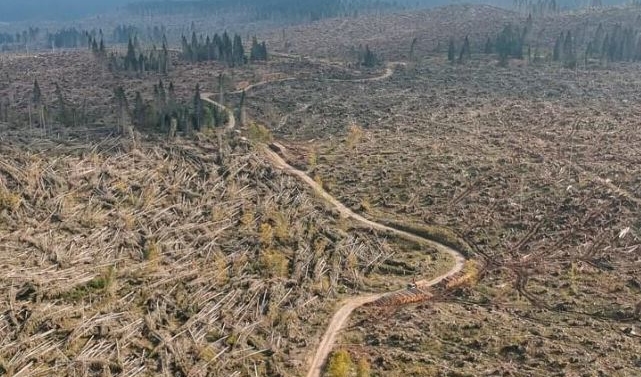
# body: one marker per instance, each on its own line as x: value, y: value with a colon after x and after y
x: 16, y: 10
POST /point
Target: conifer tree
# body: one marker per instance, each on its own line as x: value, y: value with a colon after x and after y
x: 238, y: 51
x: 198, y: 109
x: 412, y: 47
x: 488, y: 46
x: 556, y: 54
x: 131, y: 64
x: 122, y: 107
x: 139, y: 110
x: 451, y: 51
x: 569, y: 58
x: 36, y: 94
x: 465, y: 51
x: 241, y: 109
x: 62, y: 109
x: 37, y: 103
x: 369, y: 58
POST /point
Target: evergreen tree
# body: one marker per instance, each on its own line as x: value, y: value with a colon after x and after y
x: 36, y: 93
x: 37, y: 103
x: 238, y: 51
x: 451, y: 51
x: 569, y: 58
x: 122, y: 107
x: 131, y: 64
x: 198, y: 109
x: 465, y: 51
x: 241, y: 109
x: 488, y: 46
x: 589, y: 50
x: 62, y: 109
x: 194, y: 47
x: 556, y: 54
x: 412, y: 47
x: 139, y: 111
x: 598, y: 39
x: 369, y: 58
x: 258, y: 51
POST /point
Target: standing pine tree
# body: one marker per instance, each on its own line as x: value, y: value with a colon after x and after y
x: 589, y: 50
x: 465, y: 51
x: 556, y: 54
x: 226, y: 49
x: 238, y: 51
x: 122, y: 109
x: 413, y: 47
x: 221, y: 90
x: 369, y: 58
x: 488, y: 46
x: 569, y: 58
x: 36, y: 93
x: 36, y: 99
x: 131, y: 64
x: 451, y: 51
x: 139, y: 111
x: 258, y: 51
x: 63, y: 117
x: 194, y: 47
x: 198, y: 109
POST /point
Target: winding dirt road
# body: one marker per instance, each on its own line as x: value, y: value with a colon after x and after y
x: 350, y: 304
x: 231, y: 122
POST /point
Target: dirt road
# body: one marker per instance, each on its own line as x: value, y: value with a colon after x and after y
x: 230, y: 113
x: 349, y: 305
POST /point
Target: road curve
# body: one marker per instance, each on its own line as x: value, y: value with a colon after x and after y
x: 350, y: 304
x: 231, y: 122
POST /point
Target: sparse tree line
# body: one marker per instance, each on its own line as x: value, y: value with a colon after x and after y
x: 136, y: 60
x: 221, y: 48
x: 367, y: 58
x: 9, y: 40
x: 564, y: 51
x: 619, y: 44
x: 140, y: 61
x: 509, y: 43
x: 123, y: 33
x: 72, y: 37
x: 44, y: 115
x: 67, y: 38
x: 165, y: 113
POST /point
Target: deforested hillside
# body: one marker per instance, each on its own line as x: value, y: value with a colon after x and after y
x: 419, y: 33
x: 391, y: 34
x: 189, y: 258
